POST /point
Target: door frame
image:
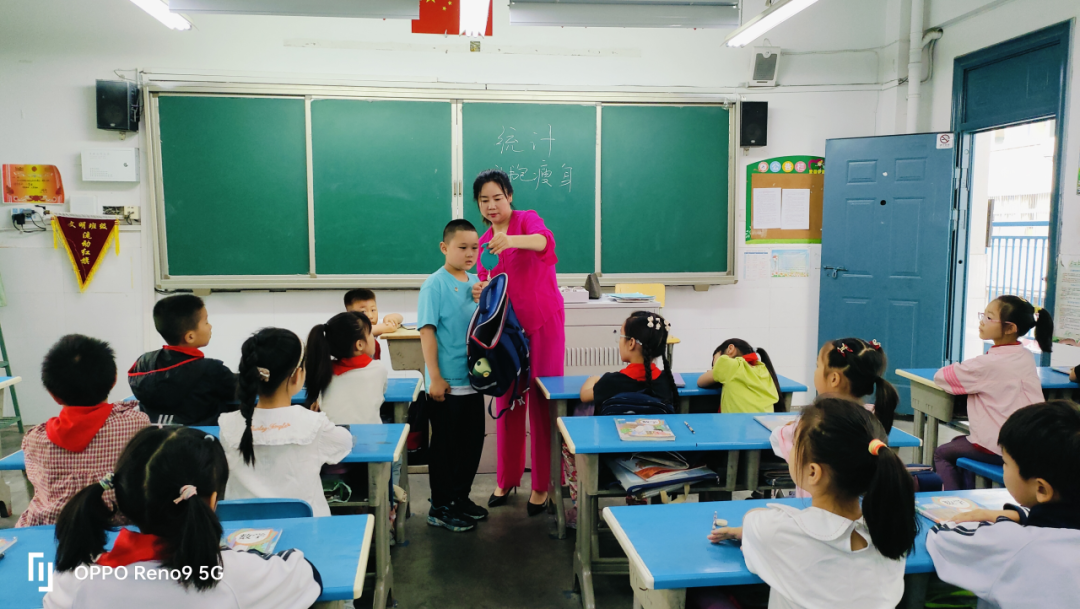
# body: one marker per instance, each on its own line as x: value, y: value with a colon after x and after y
x: 1060, y: 34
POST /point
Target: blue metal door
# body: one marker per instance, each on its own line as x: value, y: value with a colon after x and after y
x: 886, y: 247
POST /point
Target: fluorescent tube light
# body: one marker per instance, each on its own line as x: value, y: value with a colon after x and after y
x: 778, y: 12
x: 160, y: 11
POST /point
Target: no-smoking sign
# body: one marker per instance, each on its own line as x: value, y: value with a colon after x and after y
x: 944, y: 140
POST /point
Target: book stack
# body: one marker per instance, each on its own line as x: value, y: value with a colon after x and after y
x: 644, y: 475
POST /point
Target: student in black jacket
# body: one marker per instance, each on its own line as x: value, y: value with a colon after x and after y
x: 177, y: 384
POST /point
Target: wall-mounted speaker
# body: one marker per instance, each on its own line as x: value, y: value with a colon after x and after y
x: 754, y: 124
x: 763, y: 67
x: 117, y: 105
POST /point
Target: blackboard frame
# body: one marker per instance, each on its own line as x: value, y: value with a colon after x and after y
x: 458, y: 195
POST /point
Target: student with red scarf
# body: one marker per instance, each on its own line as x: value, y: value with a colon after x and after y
x: 80, y: 445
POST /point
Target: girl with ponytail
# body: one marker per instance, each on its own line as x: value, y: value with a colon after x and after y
x: 998, y: 383
x: 748, y: 377
x: 167, y: 482
x: 643, y: 340
x: 849, y: 368
x: 808, y: 556
x: 342, y: 377
x: 276, y: 449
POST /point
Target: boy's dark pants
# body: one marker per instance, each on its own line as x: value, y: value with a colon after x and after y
x: 457, y: 441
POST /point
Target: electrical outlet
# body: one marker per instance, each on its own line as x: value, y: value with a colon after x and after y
x: 131, y: 213
x: 19, y: 215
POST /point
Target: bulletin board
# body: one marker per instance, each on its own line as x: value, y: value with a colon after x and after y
x: 790, y: 214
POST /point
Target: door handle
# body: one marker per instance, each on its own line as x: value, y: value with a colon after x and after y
x: 834, y: 269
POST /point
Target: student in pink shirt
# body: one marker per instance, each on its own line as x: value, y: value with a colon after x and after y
x: 526, y: 251
x: 997, y: 384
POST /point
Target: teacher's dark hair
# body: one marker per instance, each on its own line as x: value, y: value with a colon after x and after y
x: 492, y: 175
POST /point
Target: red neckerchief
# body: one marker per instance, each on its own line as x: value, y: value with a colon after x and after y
x: 342, y: 366
x: 637, y: 372
x: 1016, y: 344
x: 751, y: 358
x: 378, y: 350
x: 192, y: 351
x: 132, y: 547
x: 77, y: 425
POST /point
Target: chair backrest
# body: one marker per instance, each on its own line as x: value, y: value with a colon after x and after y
x: 651, y: 289
x: 262, y: 509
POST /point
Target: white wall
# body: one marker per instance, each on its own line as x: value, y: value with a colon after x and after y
x: 52, y: 50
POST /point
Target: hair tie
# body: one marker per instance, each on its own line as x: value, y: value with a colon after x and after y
x: 209, y: 438
x: 875, y: 344
x: 844, y: 349
x: 875, y: 446
x: 667, y: 325
x: 186, y: 492
x: 107, y: 481
x: 651, y: 323
x: 264, y: 374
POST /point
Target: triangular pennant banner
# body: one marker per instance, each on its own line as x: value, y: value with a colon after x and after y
x: 85, y: 238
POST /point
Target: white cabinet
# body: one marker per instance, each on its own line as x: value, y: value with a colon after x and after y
x: 592, y: 334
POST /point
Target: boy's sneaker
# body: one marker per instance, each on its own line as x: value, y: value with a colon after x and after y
x: 468, y: 508
x: 448, y: 519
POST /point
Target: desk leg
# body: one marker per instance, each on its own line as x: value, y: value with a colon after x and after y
x: 588, y: 469
x: 915, y: 590
x: 557, y: 409
x: 378, y: 497
x: 752, y: 469
x: 931, y: 440
x: 920, y: 433
x: 786, y: 396
x: 401, y: 416
x: 655, y: 599
x: 684, y: 405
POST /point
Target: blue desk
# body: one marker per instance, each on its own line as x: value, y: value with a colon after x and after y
x: 668, y: 550
x: 985, y: 473
x: 928, y: 401
x: 561, y: 390
x: 590, y: 437
x: 337, y: 546
x: 13, y: 462
x: 371, y: 443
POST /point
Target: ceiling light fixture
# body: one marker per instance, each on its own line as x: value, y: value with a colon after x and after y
x: 775, y: 13
x: 160, y: 11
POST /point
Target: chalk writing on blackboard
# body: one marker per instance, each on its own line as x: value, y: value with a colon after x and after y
x: 507, y: 141
x: 544, y: 175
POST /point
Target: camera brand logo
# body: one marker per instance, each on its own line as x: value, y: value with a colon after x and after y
x: 44, y: 571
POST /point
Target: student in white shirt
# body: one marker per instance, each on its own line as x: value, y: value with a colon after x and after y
x: 836, y: 553
x: 167, y: 482
x: 1025, y: 556
x: 342, y: 375
x: 276, y: 449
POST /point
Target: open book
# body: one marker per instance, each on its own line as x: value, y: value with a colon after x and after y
x: 643, y: 430
x: 263, y: 540
x: 772, y: 421
x: 945, y: 508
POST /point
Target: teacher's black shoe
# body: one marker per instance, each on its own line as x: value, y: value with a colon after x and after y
x: 537, y: 508
x: 496, y: 500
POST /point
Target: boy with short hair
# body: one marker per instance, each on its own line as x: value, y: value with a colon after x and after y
x: 444, y: 311
x: 362, y: 300
x: 81, y: 445
x: 177, y: 384
x: 1030, y: 555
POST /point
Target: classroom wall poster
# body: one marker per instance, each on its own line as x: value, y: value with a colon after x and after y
x: 1067, y: 315
x: 756, y: 265
x: 791, y: 263
x: 32, y: 184
x: 85, y: 238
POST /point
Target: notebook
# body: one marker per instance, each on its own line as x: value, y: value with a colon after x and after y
x: 945, y: 508
x: 262, y: 540
x: 1063, y: 369
x: 643, y: 430
x: 772, y: 421
x: 6, y: 543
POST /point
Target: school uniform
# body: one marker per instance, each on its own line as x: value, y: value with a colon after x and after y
x: 748, y: 385
x: 997, y: 384
x: 291, y: 446
x: 180, y: 386
x: 355, y: 393
x: 457, y: 423
x: 72, y: 451
x: 285, y: 580
x: 630, y: 379
x: 805, y: 557
x: 1027, y: 565
x: 782, y: 440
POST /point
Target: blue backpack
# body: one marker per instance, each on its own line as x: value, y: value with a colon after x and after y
x: 498, y: 351
x: 634, y: 403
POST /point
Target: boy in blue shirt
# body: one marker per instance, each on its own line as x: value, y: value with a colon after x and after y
x: 444, y: 311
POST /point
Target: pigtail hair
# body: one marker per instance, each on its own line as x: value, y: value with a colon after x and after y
x: 81, y: 528
x: 319, y: 368
x: 886, y: 399
x: 889, y: 506
x: 1044, y: 330
x: 764, y: 357
x: 249, y: 394
x: 196, y: 543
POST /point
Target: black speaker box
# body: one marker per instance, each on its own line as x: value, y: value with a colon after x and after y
x: 754, y: 125
x: 117, y: 105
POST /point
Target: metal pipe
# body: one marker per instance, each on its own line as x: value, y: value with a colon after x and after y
x: 914, y: 65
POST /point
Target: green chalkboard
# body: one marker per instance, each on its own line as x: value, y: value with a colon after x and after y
x: 549, y: 152
x: 383, y: 185
x: 234, y: 179
x: 664, y: 189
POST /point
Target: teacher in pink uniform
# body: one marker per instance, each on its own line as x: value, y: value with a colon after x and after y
x: 526, y: 251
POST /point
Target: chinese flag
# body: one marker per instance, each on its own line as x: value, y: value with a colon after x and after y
x: 444, y: 17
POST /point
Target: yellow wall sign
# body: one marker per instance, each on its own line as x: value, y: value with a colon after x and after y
x: 33, y: 184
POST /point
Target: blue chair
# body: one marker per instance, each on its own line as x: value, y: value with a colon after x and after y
x: 984, y: 472
x: 261, y: 509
